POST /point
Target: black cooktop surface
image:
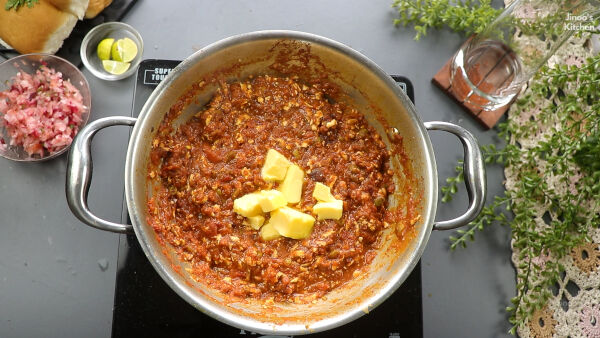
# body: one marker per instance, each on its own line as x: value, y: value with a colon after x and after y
x: 145, y: 306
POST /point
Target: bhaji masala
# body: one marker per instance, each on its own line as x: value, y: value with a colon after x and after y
x: 217, y: 156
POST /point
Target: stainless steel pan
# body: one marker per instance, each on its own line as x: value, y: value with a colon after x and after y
x: 372, y: 92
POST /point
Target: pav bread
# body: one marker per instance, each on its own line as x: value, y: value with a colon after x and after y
x: 43, y: 27
x: 95, y: 7
x: 38, y: 29
x: 75, y: 7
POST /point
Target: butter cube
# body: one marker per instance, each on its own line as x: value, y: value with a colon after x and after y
x: 329, y: 210
x: 271, y: 200
x: 322, y: 193
x: 291, y: 187
x: 248, y: 205
x: 292, y: 223
x: 255, y: 222
x: 275, y: 166
x: 268, y: 232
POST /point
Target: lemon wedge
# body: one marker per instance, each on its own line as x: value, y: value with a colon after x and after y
x: 115, y: 67
x: 104, y: 48
x: 124, y: 50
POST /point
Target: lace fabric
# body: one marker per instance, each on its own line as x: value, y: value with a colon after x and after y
x: 574, y: 308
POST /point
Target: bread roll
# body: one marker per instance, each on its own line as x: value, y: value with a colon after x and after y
x: 75, y: 7
x: 39, y: 29
x: 95, y: 7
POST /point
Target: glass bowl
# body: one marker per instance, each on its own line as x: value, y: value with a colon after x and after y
x: 115, y: 30
x: 30, y: 63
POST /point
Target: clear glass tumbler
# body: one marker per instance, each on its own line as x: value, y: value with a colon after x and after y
x: 490, y: 68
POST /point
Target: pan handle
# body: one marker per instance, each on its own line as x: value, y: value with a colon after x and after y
x: 474, y: 172
x: 79, y: 174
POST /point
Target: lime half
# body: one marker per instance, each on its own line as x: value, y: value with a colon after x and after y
x: 104, y: 48
x: 115, y: 67
x: 124, y: 50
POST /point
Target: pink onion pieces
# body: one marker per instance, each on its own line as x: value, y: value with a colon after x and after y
x: 41, y: 112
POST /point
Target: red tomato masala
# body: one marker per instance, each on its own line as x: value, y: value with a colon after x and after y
x: 217, y: 157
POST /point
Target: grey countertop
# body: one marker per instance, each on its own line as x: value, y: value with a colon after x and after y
x: 57, y: 276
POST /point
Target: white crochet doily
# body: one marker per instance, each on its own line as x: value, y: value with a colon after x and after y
x: 574, y: 309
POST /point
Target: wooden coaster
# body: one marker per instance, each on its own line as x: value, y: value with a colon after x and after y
x: 487, y: 118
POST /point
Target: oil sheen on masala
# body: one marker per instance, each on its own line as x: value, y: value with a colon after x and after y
x: 217, y: 156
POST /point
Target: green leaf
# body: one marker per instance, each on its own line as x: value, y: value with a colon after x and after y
x: 464, y: 17
x: 16, y: 4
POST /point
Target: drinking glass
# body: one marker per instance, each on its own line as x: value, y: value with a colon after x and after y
x: 490, y: 68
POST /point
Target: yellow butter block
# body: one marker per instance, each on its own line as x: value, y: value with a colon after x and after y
x: 268, y: 232
x: 329, y: 210
x: 291, y: 187
x: 248, y: 205
x: 271, y: 200
x: 292, y: 223
x: 256, y: 221
x: 275, y: 166
x: 322, y: 193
